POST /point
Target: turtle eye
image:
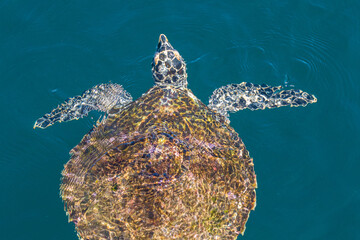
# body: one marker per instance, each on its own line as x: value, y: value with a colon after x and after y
x: 171, y: 54
x: 168, y: 64
x: 162, y: 56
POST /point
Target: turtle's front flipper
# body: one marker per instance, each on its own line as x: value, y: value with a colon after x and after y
x: 235, y: 97
x: 102, y: 97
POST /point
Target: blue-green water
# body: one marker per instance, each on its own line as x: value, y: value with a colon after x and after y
x: 307, y: 160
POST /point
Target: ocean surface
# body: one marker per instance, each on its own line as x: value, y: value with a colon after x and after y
x: 307, y: 160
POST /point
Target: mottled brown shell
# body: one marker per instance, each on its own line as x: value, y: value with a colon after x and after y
x: 166, y: 167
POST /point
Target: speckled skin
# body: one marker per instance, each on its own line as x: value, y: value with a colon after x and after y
x: 165, y: 167
x: 235, y: 97
x: 168, y: 67
x: 101, y: 98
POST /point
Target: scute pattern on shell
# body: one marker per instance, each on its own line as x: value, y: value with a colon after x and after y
x: 163, y: 168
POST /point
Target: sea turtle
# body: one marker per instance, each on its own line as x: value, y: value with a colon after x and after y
x: 165, y: 166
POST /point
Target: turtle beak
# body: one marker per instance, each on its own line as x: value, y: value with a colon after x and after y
x: 163, y: 43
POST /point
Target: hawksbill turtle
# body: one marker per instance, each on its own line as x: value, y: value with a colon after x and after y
x: 165, y: 166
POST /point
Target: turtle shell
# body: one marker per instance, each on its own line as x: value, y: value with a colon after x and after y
x: 165, y: 167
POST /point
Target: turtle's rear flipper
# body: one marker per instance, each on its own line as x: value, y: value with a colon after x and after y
x: 235, y: 97
x: 102, y: 97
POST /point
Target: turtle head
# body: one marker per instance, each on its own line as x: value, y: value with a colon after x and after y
x: 168, y: 67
